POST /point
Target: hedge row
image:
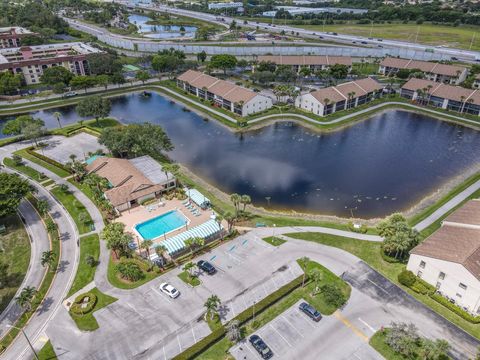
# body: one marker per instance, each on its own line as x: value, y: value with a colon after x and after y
x: 456, y: 309
x: 46, y: 159
x: 208, y: 341
x: 77, y: 309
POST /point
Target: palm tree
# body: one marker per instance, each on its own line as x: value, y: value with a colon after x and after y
x: 230, y: 218
x: 233, y: 331
x: 48, y: 259
x: 245, y: 200
x: 146, y: 245
x: 43, y: 207
x: 57, y: 115
x: 212, y: 304
x: 219, y: 220
x: 24, y: 299
x: 317, y: 277
x: 235, y: 199
x: 188, y: 268
x: 170, y: 169
x: 161, y: 250
x: 462, y: 100
x: 326, y: 101
x: 303, y: 264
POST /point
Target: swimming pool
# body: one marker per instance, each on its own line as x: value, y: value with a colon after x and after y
x: 162, y: 224
x: 91, y: 159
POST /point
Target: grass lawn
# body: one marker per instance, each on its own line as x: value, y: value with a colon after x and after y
x: 459, y: 36
x: 189, y: 279
x: 88, y: 322
x: 47, y: 352
x: 370, y: 253
x: 75, y: 208
x: 117, y: 281
x: 273, y: 240
x: 60, y: 172
x: 366, y: 68
x: 26, y: 170
x: 89, y: 245
x: 92, y: 124
x: 214, y: 323
x: 48, y: 182
x: 15, y: 246
x: 377, y: 341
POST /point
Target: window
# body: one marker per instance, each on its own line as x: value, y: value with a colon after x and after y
x: 441, y: 276
x: 458, y: 295
x: 422, y: 264
x: 462, y: 286
x: 419, y: 274
x: 438, y: 284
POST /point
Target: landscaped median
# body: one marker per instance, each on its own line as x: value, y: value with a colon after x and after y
x: 25, y: 169
x: 44, y: 287
x: 87, y: 264
x: 322, y: 289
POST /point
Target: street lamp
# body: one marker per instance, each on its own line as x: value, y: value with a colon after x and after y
x: 26, y: 338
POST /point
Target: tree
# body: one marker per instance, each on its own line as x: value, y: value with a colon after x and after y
x: 212, y: 304
x: 403, y: 338
x: 166, y: 63
x: 103, y: 80
x: 57, y: 115
x: 9, y: 83
x: 170, y: 168
x: 285, y: 74
x: 130, y: 270
x: 269, y: 66
x: 317, y: 276
x: 83, y: 82
x: 333, y: 295
x: 202, y: 56
x: 77, y: 168
x: 223, y: 62
x: 136, y: 140
x: 245, y: 200
x: 33, y: 131
x: 117, y: 78
x: 304, y: 261
x: 233, y: 331
x: 25, y: 298
x: 188, y: 268
x: 235, y: 199
x: 51, y: 225
x: 338, y: 71
x: 56, y: 74
x: 263, y: 77
x: 117, y: 240
x: 142, y: 76
x: 94, y: 106
x: 48, y: 259
x: 43, y: 207
x: 12, y: 190
x: 161, y: 250
x: 230, y: 218
x: 434, y: 349
x: 104, y: 64
x: 17, y: 159
x: 399, y: 237
x: 20, y: 123
x: 146, y: 245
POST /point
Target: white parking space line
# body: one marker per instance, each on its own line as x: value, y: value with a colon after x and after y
x: 265, y: 289
x: 164, y: 353
x: 367, y: 325
x: 358, y: 357
x: 305, y: 317
x: 275, y: 283
x: 193, y: 333
x: 134, y: 310
x: 260, y: 242
x: 253, y: 351
x: 291, y: 324
x: 179, y: 345
x: 162, y: 295
x: 279, y: 334
x: 233, y: 310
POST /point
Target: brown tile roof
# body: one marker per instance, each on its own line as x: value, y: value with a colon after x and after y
x: 425, y: 66
x: 342, y: 91
x: 128, y: 182
x: 222, y: 88
x: 306, y: 59
x: 450, y: 92
x: 455, y: 244
x: 468, y: 214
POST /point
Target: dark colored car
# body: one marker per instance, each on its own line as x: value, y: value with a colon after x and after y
x: 207, y: 267
x: 262, y: 348
x: 313, y: 313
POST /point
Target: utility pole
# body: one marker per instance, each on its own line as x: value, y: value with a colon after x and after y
x: 26, y: 338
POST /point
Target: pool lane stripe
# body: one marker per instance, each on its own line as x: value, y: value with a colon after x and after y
x: 213, y: 257
x: 244, y: 242
x: 232, y: 248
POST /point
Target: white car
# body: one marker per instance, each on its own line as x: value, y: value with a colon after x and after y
x: 169, y: 290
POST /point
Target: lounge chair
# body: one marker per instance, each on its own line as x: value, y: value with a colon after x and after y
x: 186, y: 202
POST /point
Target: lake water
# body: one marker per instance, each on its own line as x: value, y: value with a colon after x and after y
x: 377, y: 167
x: 160, y: 31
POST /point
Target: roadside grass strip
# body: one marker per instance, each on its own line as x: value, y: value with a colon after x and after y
x: 77, y: 211
x: 89, y: 248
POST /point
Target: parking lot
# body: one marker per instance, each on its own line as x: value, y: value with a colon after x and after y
x: 293, y: 335
x: 60, y: 148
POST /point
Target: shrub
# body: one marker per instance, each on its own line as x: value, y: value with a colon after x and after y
x: 46, y: 159
x: 333, y: 295
x: 130, y: 270
x: 456, y: 309
x: 77, y: 308
x: 407, y: 278
x: 422, y: 287
x: 17, y: 159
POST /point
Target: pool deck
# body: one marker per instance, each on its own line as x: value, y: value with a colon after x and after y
x: 140, y: 214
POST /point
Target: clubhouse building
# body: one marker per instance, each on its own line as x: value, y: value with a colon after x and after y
x: 341, y: 97
x: 224, y: 94
x: 449, y: 259
x: 456, y: 98
x: 31, y: 61
x: 443, y: 73
x: 132, y: 181
x: 313, y: 62
x: 11, y: 37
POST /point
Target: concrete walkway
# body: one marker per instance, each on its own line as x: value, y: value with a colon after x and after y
x: 39, y: 242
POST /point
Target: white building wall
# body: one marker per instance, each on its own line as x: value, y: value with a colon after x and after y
x: 258, y: 104
x: 455, y: 274
x: 308, y: 103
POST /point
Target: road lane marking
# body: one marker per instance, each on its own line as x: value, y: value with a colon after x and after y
x: 367, y: 325
x: 378, y: 286
x: 348, y: 324
x: 279, y: 334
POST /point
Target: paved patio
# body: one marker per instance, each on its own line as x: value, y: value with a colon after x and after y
x: 60, y: 148
x: 141, y: 213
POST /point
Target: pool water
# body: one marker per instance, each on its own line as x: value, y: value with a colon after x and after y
x: 91, y: 159
x: 162, y: 224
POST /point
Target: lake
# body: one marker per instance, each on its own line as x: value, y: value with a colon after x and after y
x: 160, y: 31
x: 376, y: 167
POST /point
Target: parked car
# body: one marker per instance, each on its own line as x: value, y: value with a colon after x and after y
x: 262, y: 348
x: 70, y: 94
x: 207, y: 267
x: 311, y: 312
x: 169, y: 290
